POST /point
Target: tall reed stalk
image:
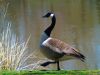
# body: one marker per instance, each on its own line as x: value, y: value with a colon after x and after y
x: 13, y: 53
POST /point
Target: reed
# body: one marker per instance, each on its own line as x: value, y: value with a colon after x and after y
x: 13, y: 53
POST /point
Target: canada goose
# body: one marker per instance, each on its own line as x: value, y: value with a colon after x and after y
x: 54, y: 48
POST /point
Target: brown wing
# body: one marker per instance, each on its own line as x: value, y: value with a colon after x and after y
x: 58, y: 45
x: 62, y: 47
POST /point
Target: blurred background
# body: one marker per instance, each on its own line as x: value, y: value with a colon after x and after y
x: 78, y: 24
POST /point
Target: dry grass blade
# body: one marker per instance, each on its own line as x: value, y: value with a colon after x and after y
x: 12, y: 53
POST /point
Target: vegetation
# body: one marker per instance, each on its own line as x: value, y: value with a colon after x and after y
x: 13, y: 53
x: 62, y: 72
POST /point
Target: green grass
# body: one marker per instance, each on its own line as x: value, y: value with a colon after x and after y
x: 62, y: 72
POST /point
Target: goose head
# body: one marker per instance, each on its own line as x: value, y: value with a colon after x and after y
x: 49, y: 14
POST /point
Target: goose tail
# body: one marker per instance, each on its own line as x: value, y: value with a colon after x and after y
x: 80, y: 56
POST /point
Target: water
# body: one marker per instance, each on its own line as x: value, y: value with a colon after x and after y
x: 78, y: 24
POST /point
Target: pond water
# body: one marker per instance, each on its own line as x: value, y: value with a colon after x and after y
x: 78, y: 24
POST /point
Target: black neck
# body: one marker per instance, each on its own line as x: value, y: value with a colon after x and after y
x: 50, y: 28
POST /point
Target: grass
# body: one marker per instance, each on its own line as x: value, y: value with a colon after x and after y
x: 62, y: 72
x: 11, y: 51
x: 13, y: 54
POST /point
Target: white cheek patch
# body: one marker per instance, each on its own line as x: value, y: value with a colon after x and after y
x: 52, y: 15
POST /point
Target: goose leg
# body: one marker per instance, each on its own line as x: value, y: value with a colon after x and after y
x: 47, y: 63
x: 58, y: 67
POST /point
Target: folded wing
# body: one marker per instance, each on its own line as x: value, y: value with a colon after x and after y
x: 62, y: 47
